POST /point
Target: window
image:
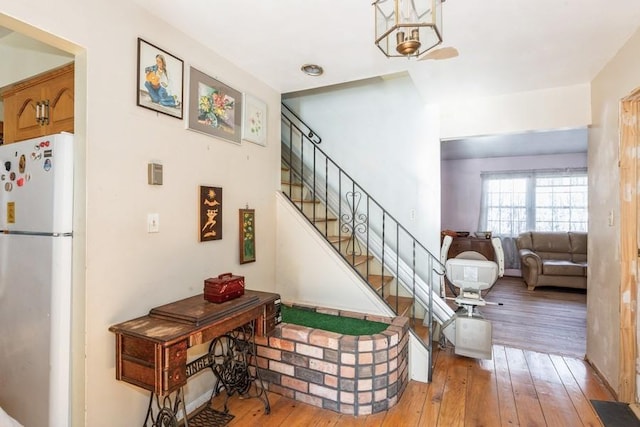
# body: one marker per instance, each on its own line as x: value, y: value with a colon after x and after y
x: 543, y: 200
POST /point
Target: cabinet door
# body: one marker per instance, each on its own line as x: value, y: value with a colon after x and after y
x: 22, y: 109
x: 21, y: 105
x: 59, y: 93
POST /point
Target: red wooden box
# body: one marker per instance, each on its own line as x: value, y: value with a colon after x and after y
x: 223, y: 288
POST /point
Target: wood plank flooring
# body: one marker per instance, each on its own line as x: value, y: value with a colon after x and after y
x: 517, y: 388
x: 549, y: 320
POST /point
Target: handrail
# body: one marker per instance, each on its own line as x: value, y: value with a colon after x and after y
x: 309, y: 132
x: 368, y: 229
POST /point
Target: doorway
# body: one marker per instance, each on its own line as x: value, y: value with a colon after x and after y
x: 462, y: 163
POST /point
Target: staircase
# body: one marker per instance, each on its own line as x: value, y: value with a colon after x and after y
x: 395, y: 266
x: 340, y: 236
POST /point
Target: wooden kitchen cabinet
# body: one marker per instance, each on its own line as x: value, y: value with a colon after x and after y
x: 41, y: 105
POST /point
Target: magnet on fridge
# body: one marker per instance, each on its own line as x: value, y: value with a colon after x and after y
x: 8, y: 186
x: 11, y: 212
x: 7, y: 166
x: 27, y: 176
x: 44, y: 144
x: 22, y: 163
x: 20, y: 182
x: 47, y: 165
x: 48, y: 153
x: 12, y: 176
x: 37, y: 147
x: 3, y: 177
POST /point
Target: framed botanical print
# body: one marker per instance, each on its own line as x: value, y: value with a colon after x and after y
x: 160, y: 79
x: 215, y: 109
x: 210, y: 213
x: 247, y: 235
x: 254, y: 120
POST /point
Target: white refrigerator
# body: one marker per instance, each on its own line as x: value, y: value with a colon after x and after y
x: 36, y: 234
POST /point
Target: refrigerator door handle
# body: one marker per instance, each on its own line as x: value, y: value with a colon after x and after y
x: 37, y: 233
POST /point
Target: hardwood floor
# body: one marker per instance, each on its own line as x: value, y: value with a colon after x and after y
x: 549, y: 320
x: 516, y: 388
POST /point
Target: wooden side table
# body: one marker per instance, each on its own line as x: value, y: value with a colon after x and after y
x: 151, y: 351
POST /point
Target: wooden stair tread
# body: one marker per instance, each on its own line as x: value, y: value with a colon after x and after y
x: 404, y: 303
x: 376, y: 280
x: 420, y: 330
x: 295, y: 184
x: 318, y: 219
x: 305, y: 201
x: 358, y: 260
x: 338, y: 239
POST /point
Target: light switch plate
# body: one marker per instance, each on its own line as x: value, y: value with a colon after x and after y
x: 153, y: 223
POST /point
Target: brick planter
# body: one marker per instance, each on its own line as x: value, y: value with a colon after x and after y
x: 355, y: 375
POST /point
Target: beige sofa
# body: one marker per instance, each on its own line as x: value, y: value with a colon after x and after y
x: 553, y: 258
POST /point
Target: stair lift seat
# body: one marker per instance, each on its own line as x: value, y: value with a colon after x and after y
x: 472, y: 273
x: 472, y: 276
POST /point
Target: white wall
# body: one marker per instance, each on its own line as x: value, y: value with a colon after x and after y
x: 121, y: 271
x: 556, y: 108
x: 383, y: 135
x: 617, y: 80
x: 462, y: 185
x: 309, y: 271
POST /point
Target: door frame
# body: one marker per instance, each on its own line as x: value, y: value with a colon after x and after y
x: 629, y: 122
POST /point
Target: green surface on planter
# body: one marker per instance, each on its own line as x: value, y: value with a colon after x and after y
x: 328, y: 322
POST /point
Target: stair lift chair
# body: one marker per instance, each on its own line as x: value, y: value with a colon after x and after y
x: 472, y: 274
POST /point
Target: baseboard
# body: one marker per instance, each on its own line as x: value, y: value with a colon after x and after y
x: 602, y: 378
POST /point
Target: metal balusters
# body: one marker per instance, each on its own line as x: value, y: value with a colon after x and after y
x: 341, y: 194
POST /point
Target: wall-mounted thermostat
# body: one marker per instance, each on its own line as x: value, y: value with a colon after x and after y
x: 154, y: 173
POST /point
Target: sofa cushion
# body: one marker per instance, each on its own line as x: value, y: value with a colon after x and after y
x: 551, y: 242
x: 578, y: 246
x: 563, y: 268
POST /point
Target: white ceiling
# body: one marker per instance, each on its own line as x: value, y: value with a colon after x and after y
x: 505, y: 45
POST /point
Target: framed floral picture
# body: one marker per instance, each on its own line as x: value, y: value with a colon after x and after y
x: 247, y: 235
x: 215, y: 109
x: 210, y: 213
x: 254, y: 120
x: 160, y: 80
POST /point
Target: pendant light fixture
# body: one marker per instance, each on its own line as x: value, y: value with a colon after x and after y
x: 407, y: 28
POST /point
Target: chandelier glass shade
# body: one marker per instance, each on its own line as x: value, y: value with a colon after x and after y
x: 408, y: 28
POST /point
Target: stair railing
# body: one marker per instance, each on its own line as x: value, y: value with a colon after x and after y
x: 366, y: 230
